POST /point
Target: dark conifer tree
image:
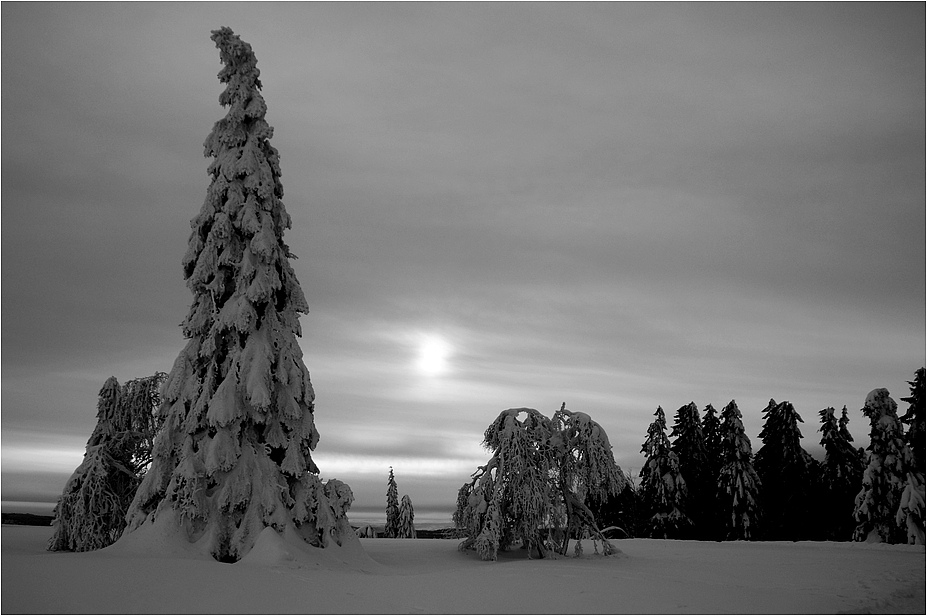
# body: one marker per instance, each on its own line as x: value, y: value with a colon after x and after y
x: 914, y: 419
x: 694, y: 465
x: 841, y: 476
x: 623, y: 511
x: 711, y: 429
x: 788, y: 474
x: 663, y: 487
x: 738, y: 484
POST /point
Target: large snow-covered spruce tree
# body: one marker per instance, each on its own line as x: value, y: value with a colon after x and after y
x: 738, y: 484
x: 538, y: 484
x: 890, y: 506
x: 663, y: 488
x: 233, y: 457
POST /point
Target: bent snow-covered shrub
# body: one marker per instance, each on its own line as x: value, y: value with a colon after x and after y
x: 536, y: 486
x: 90, y: 514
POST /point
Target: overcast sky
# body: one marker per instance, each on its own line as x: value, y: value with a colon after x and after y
x: 617, y: 206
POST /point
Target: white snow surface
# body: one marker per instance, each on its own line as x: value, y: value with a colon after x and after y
x: 157, y: 575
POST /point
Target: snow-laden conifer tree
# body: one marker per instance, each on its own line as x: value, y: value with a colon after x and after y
x: 738, y: 483
x: 914, y: 419
x: 690, y: 446
x: 233, y: 457
x: 890, y: 506
x: 392, y: 507
x: 406, y: 519
x: 788, y: 475
x: 91, y: 511
x: 537, y: 486
x: 663, y: 487
x: 841, y: 475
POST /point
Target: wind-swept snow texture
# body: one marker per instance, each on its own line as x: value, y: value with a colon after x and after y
x: 233, y: 457
x: 405, y: 576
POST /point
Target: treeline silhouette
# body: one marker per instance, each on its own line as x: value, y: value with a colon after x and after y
x: 703, y: 481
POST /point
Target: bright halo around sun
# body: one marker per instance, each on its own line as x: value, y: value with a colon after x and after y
x: 433, y: 354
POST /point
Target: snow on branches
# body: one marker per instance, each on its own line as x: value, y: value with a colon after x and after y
x: 406, y: 519
x: 663, y: 487
x: 234, y: 456
x: 90, y: 514
x: 392, y: 507
x: 536, y: 486
x: 738, y: 484
x: 890, y: 506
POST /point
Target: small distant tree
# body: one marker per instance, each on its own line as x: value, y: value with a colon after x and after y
x: 392, y: 507
x: 538, y: 484
x: 788, y: 474
x: 914, y: 419
x: 90, y: 514
x: 406, y: 519
x: 690, y: 446
x: 890, y: 506
x: 841, y: 475
x: 663, y: 488
x: 738, y: 483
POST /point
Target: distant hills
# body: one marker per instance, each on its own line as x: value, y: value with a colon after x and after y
x: 27, y: 519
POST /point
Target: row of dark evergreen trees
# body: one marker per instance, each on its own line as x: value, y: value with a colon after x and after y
x: 706, y: 483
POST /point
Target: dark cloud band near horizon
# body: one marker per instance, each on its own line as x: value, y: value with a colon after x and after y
x: 614, y: 205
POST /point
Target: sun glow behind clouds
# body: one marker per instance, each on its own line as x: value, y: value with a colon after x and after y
x: 433, y: 354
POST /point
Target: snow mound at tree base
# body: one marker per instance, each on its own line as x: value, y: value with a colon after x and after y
x: 164, y: 537
x: 287, y: 549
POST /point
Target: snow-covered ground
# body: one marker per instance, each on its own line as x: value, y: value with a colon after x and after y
x: 431, y: 576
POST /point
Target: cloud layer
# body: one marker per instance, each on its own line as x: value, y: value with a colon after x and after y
x: 614, y: 205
